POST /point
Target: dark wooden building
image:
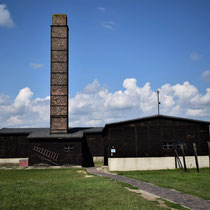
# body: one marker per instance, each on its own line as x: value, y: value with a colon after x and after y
x: 14, y: 142
x: 78, y: 147
x: 57, y: 145
x: 155, y: 136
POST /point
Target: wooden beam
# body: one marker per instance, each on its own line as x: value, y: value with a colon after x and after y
x: 196, y: 156
x: 177, y: 159
x: 208, y: 142
x: 183, y: 154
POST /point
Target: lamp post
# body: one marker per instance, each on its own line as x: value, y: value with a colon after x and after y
x: 158, y: 92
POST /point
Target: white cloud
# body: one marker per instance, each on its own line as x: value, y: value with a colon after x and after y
x: 195, y: 112
x: 36, y: 65
x: 101, y: 9
x: 24, y: 111
x: 95, y: 105
x: 185, y: 92
x: 195, y: 56
x: 182, y: 100
x: 108, y: 25
x: 23, y: 96
x: 5, y: 17
x: 206, y: 76
x: 92, y: 87
x: 4, y: 100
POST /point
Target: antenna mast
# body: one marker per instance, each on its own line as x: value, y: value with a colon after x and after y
x: 158, y: 92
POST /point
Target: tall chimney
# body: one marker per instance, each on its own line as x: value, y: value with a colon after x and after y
x: 59, y: 75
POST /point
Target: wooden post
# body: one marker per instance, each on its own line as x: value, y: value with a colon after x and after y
x: 208, y: 142
x: 136, y: 140
x: 175, y: 162
x: 196, y: 156
x: 185, y: 167
x: 178, y: 160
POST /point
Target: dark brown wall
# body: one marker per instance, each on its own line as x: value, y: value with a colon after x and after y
x: 92, y: 146
x: 146, y: 138
x: 73, y: 157
x: 59, y: 75
x: 14, y: 146
x: 95, y: 144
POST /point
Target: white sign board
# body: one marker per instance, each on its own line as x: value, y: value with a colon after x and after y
x: 113, y: 150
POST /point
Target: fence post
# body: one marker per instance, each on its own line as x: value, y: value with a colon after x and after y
x: 208, y: 142
x: 196, y: 156
x: 185, y: 167
x: 178, y: 160
x: 175, y: 162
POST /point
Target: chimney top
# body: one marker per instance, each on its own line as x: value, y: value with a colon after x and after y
x: 59, y: 19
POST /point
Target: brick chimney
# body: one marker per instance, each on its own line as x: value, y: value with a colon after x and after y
x: 59, y: 75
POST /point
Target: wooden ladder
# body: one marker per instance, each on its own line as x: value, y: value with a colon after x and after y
x: 49, y: 154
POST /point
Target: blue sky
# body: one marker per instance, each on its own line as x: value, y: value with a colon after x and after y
x: 117, y: 48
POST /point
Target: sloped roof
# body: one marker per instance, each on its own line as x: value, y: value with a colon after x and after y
x: 44, y: 133
x: 73, y: 133
x: 78, y: 132
x: 18, y: 130
x: 157, y: 116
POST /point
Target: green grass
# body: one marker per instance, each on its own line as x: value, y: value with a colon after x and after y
x: 174, y: 205
x: 190, y: 182
x: 65, y: 189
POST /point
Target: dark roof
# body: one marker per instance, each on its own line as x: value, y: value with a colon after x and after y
x: 73, y: 133
x: 94, y: 130
x: 78, y: 132
x: 44, y: 133
x: 18, y: 130
x: 157, y: 116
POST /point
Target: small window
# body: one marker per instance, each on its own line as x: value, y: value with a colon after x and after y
x: 203, y: 131
x: 178, y: 145
x: 167, y: 145
x: 68, y: 148
x: 190, y: 136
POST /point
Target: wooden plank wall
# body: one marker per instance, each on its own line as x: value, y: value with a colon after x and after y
x: 14, y: 146
x: 72, y: 157
x: 146, y: 138
x: 92, y: 146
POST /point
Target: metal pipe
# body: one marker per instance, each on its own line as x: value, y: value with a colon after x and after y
x: 158, y: 92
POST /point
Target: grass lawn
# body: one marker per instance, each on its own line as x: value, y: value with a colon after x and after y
x: 65, y: 189
x: 189, y: 182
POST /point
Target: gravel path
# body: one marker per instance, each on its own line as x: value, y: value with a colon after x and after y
x: 189, y: 201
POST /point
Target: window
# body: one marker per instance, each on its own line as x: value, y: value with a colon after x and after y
x: 190, y: 136
x: 68, y: 148
x: 178, y: 145
x: 192, y: 132
x: 167, y: 145
x: 204, y: 131
x: 170, y: 145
